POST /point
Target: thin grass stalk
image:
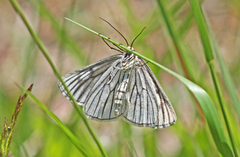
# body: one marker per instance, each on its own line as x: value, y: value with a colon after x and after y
x: 226, y: 75
x: 172, y: 31
x: 202, y: 27
x: 177, y: 6
x: 68, y: 43
x: 222, y: 105
x: 46, y: 55
x: 178, y: 48
x: 68, y: 133
x: 6, y: 138
x: 225, y: 72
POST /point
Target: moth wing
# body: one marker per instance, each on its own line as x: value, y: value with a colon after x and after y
x: 101, y: 103
x: 80, y: 82
x: 148, y: 105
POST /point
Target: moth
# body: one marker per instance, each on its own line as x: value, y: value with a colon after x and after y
x: 121, y: 85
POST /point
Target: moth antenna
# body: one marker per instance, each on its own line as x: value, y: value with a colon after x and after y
x: 115, y: 30
x: 137, y: 36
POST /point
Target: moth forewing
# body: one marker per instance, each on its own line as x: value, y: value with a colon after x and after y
x: 81, y: 81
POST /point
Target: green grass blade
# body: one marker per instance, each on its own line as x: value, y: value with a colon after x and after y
x: 203, y: 98
x: 178, y: 6
x: 211, y: 115
x: 46, y: 55
x: 203, y: 31
x: 66, y: 41
x: 227, y: 80
x: 79, y: 145
x: 180, y: 55
x: 225, y: 74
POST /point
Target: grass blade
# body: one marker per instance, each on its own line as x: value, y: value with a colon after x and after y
x: 68, y: 133
x: 202, y: 27
x: 180, y: 55
x: 6, y: 138
x: 46, y: 55
x: 225, y: 73
x: 66, y: 41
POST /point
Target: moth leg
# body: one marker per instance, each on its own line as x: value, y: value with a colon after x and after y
x: 119, y: 49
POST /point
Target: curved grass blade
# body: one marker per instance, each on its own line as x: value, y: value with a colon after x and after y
x: 203, y: 31
x: 225, y: 73
x: 68, y: 133
x: 203, y: 98
x: 43, y: 49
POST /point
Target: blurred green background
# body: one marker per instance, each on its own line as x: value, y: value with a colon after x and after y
x: 171, y: 38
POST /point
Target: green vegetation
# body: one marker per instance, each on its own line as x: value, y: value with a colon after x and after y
x: 183, y: 36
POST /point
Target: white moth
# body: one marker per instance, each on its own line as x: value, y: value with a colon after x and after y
x: 121, y: 85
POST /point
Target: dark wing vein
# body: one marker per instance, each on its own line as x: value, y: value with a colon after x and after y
x: 80, y: 82
x: 148, y: 104
x: 100, y: 103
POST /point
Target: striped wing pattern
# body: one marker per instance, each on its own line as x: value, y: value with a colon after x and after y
x: 100, y: 104
x: 81, y: 81
x: 111, y: 88
x: 148, y: 104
